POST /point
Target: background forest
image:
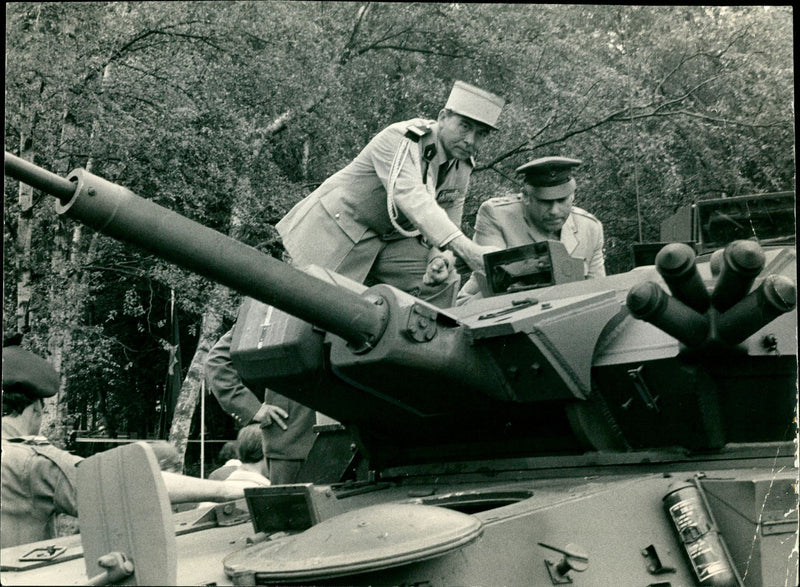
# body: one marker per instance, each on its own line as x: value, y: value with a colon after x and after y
x: 230, y: 112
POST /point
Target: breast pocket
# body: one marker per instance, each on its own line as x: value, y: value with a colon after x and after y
x: 449, y: 196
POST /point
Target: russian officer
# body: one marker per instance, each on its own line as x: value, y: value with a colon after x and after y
x: 543, y: 211
x: 393, y: 214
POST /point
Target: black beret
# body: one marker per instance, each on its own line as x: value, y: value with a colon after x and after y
x: 22, y: 367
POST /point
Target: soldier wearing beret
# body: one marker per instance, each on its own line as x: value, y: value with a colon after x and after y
x: 388, y: 216
x: 37, y: 479
x: 543, y: 211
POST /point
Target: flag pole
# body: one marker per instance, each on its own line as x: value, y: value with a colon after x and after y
x: 202, y: 428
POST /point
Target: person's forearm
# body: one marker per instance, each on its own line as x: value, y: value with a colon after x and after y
x: 468, y: 251
x: 183, y: 489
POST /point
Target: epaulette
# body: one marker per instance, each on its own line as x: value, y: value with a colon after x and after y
x: 505, y: 200
x: 584, y: 214
x: 416, y: 131
x: 33, y: 440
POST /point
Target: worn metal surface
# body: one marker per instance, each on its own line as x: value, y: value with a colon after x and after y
x: 551, y: 419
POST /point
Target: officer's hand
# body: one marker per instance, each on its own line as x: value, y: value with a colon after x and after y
x: 267, y: 414
x: 438, y: 271
x: 471, y: 253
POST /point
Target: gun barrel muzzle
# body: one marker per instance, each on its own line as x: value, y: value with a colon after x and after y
x: 741, y: 263
x: 648, y: 302
x: 776, y: 295
x: 676, y: 263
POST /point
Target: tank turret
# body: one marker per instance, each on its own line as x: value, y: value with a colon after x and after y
x: 514, y: 375
x: 572, y: 376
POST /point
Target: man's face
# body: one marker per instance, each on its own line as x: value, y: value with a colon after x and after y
x: 547, y: 215
x: 461, y: 137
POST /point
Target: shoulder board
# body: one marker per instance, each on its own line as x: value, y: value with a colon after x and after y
x: 584, y: 214
x: 505, y: 200
x: 416, y: 131
x: 30, y: 440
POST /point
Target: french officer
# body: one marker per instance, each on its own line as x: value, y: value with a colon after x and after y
x: 393, y: 214
x: 543, y: 211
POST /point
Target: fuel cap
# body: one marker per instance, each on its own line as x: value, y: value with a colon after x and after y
x: 368, y: 539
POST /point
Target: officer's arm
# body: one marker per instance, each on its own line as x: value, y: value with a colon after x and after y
x: 597, y: 264
x: 487, y: 238
x: 54, y: 477
x: 226, y: 385
x: 411, y: 196
x: 185, y: 489
x: 487, y: 228
x: 471, y: 253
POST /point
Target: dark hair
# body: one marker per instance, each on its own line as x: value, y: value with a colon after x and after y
x: 227, y: 452
x: 167, y: 455
x: 16, y: 398
x: 249, y: 447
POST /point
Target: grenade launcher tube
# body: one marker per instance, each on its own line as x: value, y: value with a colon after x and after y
x: 119, y: 213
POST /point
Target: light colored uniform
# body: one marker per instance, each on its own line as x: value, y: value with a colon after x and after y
x: 345, y: 224
x: 38, y: 481
x: 252, y: 478
x: 502, y: 222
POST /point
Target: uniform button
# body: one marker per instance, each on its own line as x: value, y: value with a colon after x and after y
x: 336, y: 215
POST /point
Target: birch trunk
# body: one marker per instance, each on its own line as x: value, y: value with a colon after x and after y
x: 210, y: 332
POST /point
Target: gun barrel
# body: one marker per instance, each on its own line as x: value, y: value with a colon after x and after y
x: 38, y: 178
x: 121, y: 214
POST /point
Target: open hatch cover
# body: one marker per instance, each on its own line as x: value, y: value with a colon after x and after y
x: 368, y: 539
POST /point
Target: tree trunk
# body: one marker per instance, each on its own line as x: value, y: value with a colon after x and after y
x: 210, y: 332
x: 24, y: 232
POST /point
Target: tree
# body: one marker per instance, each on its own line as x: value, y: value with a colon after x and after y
x: 229, y: 113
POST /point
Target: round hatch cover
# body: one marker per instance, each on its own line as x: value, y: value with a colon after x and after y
x: 368, y: 539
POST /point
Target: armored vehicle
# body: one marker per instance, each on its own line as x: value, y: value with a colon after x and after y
x: 631, y: 430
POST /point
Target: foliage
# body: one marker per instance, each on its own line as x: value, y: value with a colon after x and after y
x: 205, y: 107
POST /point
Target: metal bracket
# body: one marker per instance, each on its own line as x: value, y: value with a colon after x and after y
x: 555, y: 575
x: 654, y: 565
x: 639, y: 383
x: 229, y: 515
x: 421, y: 325
x: 43, y: 553
x: 574, y: 559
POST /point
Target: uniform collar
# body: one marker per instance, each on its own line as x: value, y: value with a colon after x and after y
x: 569, y: 232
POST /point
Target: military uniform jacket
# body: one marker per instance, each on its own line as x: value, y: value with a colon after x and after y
x: 241, y: 403
x: 345, y: 222
x: 38, y: 481
x: 502, y: 222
